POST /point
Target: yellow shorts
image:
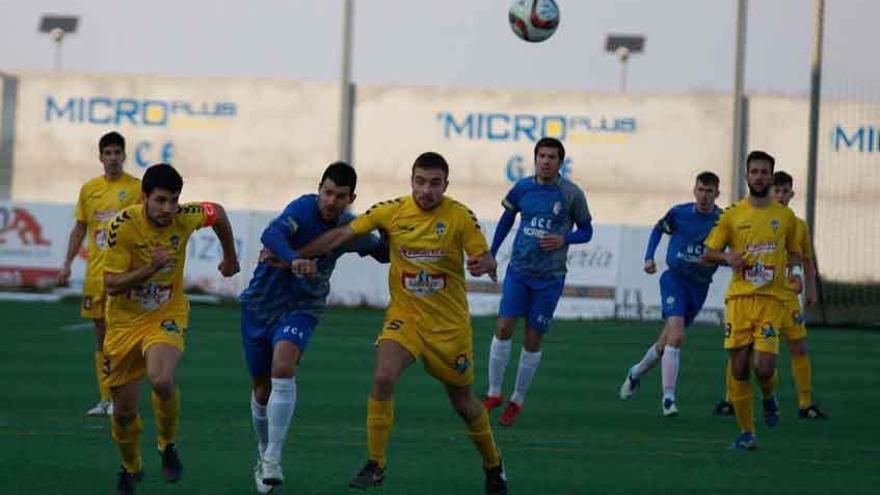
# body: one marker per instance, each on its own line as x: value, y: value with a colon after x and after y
x: 93, y: 299
x: 125, y: 350
x: 753, y: 320
x: 793, y: 326
x: 448, y: 355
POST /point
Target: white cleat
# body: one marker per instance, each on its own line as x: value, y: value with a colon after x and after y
x: 669, y: 408
x: 258, y: 479
x: 103, y: 408
x: 629, y: 387
x: 270, y: 473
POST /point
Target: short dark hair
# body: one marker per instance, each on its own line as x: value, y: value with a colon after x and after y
x: 342, y: 174
x: 161, y: 176
x: 709, y: 179
x: 549, y: 142
x: 431, y: 160
x: 782, y: 179
x: 760, y: 155
x: 110, y: 139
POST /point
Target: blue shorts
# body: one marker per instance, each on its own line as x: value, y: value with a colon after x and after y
x: 534, y: 298
x: 259, y: 338
x: 681, y: 297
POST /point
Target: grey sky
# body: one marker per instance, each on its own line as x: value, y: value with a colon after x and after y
x: 466, y: 43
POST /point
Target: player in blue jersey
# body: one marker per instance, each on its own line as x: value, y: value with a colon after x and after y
x: 683, y: 286
x: 281, y: 305
x: 549, y: 206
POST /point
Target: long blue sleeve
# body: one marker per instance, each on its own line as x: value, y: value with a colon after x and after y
x: 505, y: 223
x: 276, y: 239
x: 654, y: 241
x: 582, y: 235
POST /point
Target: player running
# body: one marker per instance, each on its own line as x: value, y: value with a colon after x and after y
x: 280, y: 307
x: 683, y: 286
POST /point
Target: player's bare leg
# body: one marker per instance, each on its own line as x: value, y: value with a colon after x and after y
x: 529, y: 360
x: 499, y: 356
x: 162, y: 360
x: 104, y: 407
x: 125, y: 429
x: 476, y: 418
x: 391, y: 360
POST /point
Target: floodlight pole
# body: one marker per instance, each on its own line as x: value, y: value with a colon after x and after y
x: 623, y: 55
x: 737, y: 186
x: 346, y: 107
x: 815, y: 100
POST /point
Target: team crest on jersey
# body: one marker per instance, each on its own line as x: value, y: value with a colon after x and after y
x: 175, y: 241
x: 670, y: 300
x: 440, y: 229
x: 557, y: 207
x: 170, y: 326
x: 768, y: 331
x: 462, y: 363
x: 774, y: 224
x: 122, y: 195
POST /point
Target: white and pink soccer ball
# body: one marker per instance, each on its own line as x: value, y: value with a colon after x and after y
x: 534, y: 20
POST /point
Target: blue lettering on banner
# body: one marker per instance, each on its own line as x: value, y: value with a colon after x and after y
x: 144, y: 156
x: 516, y: 168
x: 501, y: 126
x: 865, y: 138
x: 104, y: 110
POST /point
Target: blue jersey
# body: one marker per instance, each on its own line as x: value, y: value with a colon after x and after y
x: 546, y: 209
x: 687, y: 229
x: 274, y: 291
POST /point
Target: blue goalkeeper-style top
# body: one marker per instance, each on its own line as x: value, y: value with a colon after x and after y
x: 274, y: 289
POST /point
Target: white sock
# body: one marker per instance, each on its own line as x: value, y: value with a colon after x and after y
x: 282, y: 402
x: 648, y: 361
x: 499, y: 355
x: 670, y: 370
x: 260, y: 423
x: 528, y: 366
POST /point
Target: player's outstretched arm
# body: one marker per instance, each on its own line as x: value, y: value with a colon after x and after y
x: 223, y: 229
x: 326, y: 242
x: 120, y: 283
x: 77, y: 234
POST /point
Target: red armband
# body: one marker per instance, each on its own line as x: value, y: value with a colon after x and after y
x: 210, y: 214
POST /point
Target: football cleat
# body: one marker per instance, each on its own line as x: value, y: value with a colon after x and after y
x: 629, y: 387
x: 812, y: 412
x: 271, y: 473
x: 172, y: 469
x: 258, y: 479
x: 510, y: 413
x: 771, y: 412
x: 723, y: 408
x: 369, y: 475
x: 102, y: 408
x: 669, y: 408
x: 127, y: 481
x: 496, y: 480
x: 492, y: 401
x: 745, y: 441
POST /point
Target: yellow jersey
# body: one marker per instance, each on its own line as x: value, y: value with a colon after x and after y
x: 131, y: 240
x: 764, y: 237
x: 99, y: 201
x: 426, y: 278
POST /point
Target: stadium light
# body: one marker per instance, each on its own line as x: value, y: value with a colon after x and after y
x: 624, y: 45
x: 58, y: 26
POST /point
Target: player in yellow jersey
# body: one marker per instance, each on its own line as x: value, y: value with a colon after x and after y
x: 100, y: 199
x: 794, y: 330
x: 428, y: 317
x: 760, y: 235
x: 147, y: 312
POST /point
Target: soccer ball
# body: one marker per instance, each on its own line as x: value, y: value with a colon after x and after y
x: 534, y: 20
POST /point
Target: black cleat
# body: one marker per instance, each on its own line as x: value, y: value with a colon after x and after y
x: 812, y: 412
x: 126, y: 482
x: 369, y: 475
x: 172, y: 469
x: 496, y: 480
x: 723, y: 408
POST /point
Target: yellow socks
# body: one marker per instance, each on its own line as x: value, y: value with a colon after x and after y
x: 802, y: 371
x: 127, y: 438
x: 481, y: 435
x: 167, y: 417
x: 743, y: 400
x: 768, y: 386
x: 99, y: 374
x: 380, y: 417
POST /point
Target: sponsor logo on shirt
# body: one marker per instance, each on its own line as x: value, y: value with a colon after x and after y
x: 759, y: 274
x: 152, y: 295
x: 105, y: 215
x: 422, y: 255
x: 424, y: 283
x: 762, y: 248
